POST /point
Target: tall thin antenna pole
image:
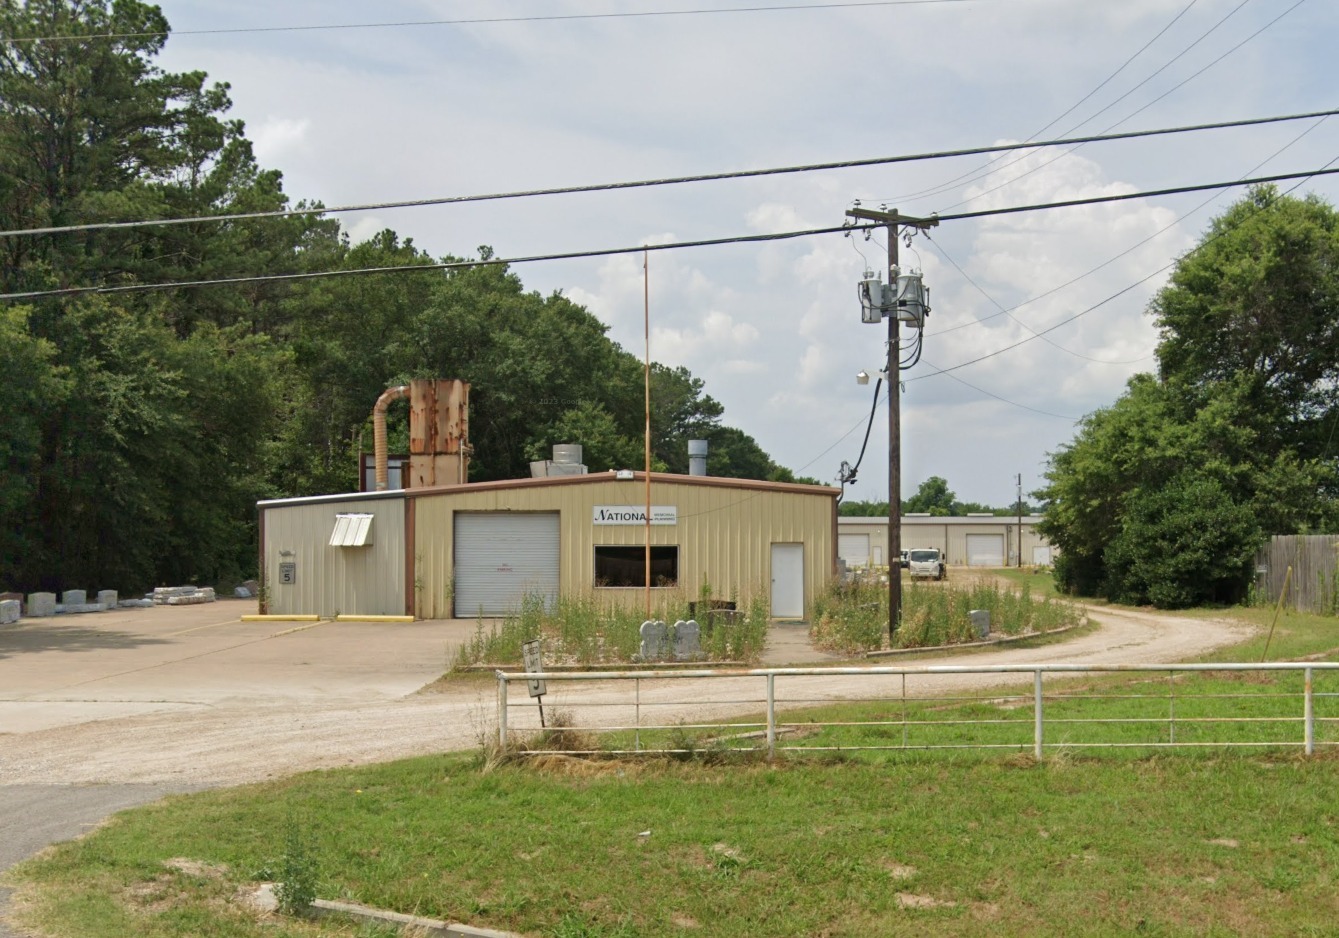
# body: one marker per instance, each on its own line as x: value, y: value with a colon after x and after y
x: 646, y: 324
x: 1020, y: 519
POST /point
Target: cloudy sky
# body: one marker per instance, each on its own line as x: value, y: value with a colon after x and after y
x: 556, y: 93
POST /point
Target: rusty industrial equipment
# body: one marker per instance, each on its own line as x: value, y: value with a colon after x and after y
x: 439, y: 449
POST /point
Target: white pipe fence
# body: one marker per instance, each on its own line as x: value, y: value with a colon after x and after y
x: 1140, y: 706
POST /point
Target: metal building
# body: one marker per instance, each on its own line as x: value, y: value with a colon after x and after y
x: 974, y: 540
x: 462, y: 550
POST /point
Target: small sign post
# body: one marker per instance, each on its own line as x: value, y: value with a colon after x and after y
x: 534, y: 665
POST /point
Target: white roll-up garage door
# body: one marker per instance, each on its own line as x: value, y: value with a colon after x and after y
x: 854, y: 549
x: 985, y: 550
x: 500, y: 557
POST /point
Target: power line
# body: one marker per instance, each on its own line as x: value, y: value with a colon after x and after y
x: 1111, y: 260
x: 1137, y: 111
x: 981, y: 171
x: 669, y: 246
x: 417, y: 268
x: 1005, y: 312
x: 1044, y: 413
x: 1123, y: 66
x: 484, y: 21
x: 669, y: 180
x: 1116, y: 295
x: 1147, y: 193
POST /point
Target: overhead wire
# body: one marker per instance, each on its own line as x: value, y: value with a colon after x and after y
x: 486, y: 20
x: 1005, y: 312
x: 666, y: 246
x: 978, y: 173
x: 1111, y: 260
x: 1116, y: 295
x: 1127, y: 117
x: 1044, y: 413
x: 663, y: 181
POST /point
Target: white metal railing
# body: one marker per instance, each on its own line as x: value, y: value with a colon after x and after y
x: 626, y: 702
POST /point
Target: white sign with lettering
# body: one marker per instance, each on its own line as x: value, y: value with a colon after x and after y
x: 635, y: 514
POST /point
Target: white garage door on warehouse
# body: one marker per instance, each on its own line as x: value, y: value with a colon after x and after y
x: 501, y: 556
x: 854, y: 549
x: 985, y: 550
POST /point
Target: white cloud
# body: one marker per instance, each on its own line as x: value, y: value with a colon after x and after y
x: 276, y: 138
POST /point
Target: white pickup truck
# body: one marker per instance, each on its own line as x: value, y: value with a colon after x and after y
x: 925, y: 562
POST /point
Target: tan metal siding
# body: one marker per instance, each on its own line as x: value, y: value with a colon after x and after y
x: 723, y: 533
x: 335, y: 580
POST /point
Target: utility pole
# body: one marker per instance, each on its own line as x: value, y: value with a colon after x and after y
x: 894, y: 223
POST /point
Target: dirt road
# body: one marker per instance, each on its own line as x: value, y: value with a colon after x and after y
x: 237, y: 739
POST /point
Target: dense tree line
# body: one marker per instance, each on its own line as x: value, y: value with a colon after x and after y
x: 1165, y: 496
x: 141, y: 428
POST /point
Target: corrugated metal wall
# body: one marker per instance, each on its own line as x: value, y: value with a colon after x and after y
x: 723, y: 533
x: 335, y: 580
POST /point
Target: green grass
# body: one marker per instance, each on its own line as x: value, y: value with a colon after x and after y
x: 1086, y: 842
x: 1003, y: 847
x: 1039, y: 580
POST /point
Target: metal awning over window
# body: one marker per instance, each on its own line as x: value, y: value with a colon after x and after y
x: 351, y: 530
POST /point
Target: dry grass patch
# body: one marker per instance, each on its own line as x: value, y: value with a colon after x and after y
x: 908, y: 900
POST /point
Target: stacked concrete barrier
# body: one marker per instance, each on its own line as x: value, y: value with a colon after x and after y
x: 182, y: 595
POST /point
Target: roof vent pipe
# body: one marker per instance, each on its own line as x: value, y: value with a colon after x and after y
x: 567, y: 454
x: 697, y: 457
x: 379, y: 431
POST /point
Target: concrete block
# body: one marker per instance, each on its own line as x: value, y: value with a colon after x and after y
x: 9, y: 611
x: 78, y: 608
x: 107, y: 598
x: 135, y: 604
x: 18, y: 596
x: 41, y: 604
x: 980, y: 622
x: 241, y: 592
x: 74, y: 597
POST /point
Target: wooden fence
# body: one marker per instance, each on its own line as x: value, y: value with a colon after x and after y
x: 1314, y: 559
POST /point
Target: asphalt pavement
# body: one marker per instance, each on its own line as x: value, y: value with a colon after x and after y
x: 35, y: 816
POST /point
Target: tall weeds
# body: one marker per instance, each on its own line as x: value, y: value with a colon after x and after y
x: 589, y: 630
x: 853, y: 616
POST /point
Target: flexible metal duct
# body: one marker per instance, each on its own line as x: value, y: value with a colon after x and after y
x: 379, y: 431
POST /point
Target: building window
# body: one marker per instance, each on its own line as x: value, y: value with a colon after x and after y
x: 626, y: 566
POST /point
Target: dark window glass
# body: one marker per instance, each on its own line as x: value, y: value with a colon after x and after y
x: 626, y: 566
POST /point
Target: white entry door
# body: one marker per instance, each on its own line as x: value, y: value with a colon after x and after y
x: 787, y: 581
